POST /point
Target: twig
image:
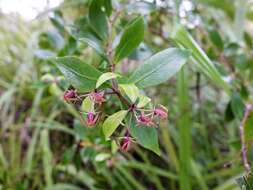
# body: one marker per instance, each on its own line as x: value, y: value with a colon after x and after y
x: 243, y: 145
x: 109, y: 53
x: 122, y: 98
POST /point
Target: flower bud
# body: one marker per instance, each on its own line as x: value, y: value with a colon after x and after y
x: 69, y: 95
x: 144, y: 120
x: 91, y: 119
x: 125, y: 144
x: 97, y: 97
x: 161, y: 112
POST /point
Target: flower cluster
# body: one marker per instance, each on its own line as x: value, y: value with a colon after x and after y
x: 96, y: 97
x: 149, y: 118
x: 143, y: 117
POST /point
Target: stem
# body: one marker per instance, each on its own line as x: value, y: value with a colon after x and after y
x: 243, y: 145
x: 109, y: 53
x: 122, y: 98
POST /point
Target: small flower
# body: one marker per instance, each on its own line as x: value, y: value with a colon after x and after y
x: 145, y: 120
x: 91, y: 119
x: 97, y: 97
x: 69, y: 95
x: 125, y: 144
x: 161, y: 112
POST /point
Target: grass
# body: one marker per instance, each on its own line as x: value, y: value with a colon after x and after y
x: 40, y: 135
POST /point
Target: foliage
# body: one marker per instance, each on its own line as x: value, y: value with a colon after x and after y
x: 120, y: 95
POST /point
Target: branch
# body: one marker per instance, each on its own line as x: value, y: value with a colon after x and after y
x: 109, y: 53
x: 243, y: 145
x: 122, y: 98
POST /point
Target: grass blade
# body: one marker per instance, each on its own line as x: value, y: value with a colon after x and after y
x: 184, y: 132
x: 184, y: 39
x: 47, y: 156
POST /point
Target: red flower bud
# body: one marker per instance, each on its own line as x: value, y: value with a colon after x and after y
x: 97, y: 97
x: 161, y: 112
x: 91, y: 119
x: 144, y: 120
x: 69, y: 95
x: 126, y: 144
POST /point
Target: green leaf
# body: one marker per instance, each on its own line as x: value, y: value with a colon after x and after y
x: 130, y: 90
x: 237, y: 105
x: 229, y: 115
x: 159, y: 68
x: 87, y: 105
x: 184, y: 39
x: 248, y: 130
x: 94, y: 43
x: 216, y: 39
x: 131, y: 38
x: 146, y: 136
x: 97, y: 18
x: 84, y: 33
x: 245, y: 182
x: 105, y: 77
x: 112, y: 122
x: 108, y: 7
x: 78, y: 73
x: 224, y: 5
x: 143, y: 101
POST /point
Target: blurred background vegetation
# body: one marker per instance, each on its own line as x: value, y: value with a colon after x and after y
x: 43, y: 145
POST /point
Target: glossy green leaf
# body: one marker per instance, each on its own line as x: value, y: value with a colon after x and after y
x: 84, y: 33
x: 112, y: 122
x: 105, y: 77
x: 131, y: 38
x: 94, y: 43
x: 58, y: 21
x: 78, y: 73
x: 146, y: 137
x: 248, y: 128
x: 184, y: 39
x: 143, y: 101
x: 130, y: 90
x: 87, y: 105
x: 98, y: 19
x: 159, y: 68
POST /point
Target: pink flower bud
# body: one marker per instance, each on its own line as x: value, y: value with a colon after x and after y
x: 69, y: 95
x: 91, y: 119
x: 161, y: 112
x: 144, y: 120
x: 97, y: 97
x: 126, y: 144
